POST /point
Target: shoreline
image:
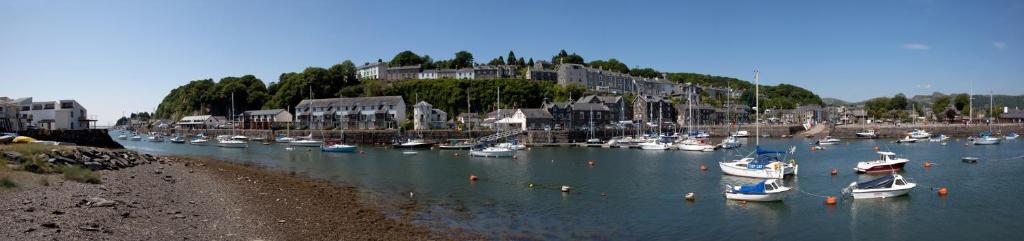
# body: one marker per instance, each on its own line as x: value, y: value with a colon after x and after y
x: 202, y: 199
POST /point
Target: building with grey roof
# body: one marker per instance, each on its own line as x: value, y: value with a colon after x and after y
x: 377, y: 112
x: 266, y: 119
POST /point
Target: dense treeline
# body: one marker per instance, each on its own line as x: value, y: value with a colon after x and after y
x: 214, y: 98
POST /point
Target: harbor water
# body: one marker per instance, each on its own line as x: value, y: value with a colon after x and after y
x: 632, y: 194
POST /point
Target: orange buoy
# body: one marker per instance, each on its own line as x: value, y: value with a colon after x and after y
x: 473, y: 178
x: 831, y: 200
x: 927, y: 164
x: 876, y: 148
x: 703, y: 168
x: 943, y: 191
x: 835, y: 172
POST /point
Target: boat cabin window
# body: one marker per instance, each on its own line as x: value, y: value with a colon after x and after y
x: 769, y: 187
x: 900, y: 182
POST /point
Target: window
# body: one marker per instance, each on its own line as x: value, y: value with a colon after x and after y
x: 900, y: 182
x: 48, y: 106
x: 769, y: 187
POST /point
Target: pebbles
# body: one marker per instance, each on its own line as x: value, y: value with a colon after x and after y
x: 92, y: 158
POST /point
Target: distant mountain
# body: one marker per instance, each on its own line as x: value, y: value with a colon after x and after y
x: 834, y: 101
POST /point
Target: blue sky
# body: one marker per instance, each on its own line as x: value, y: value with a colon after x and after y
x: 123, y: 56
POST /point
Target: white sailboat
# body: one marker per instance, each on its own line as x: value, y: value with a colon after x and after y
x: 761, y: 163
x: 693, y: 141
x: 229, y: 141
x: 986, y: 138
x: 308, y: 141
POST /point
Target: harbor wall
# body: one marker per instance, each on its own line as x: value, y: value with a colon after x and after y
x: 951, y: 130
x: 387, y: 136
x: 91, y: 137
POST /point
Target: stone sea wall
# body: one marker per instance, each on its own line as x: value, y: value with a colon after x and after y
x: 951, y: 130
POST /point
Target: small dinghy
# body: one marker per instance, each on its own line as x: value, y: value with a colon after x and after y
x: 409, y: 153
x: 769, y: 190
x: 883, y: 187
x: 828, y: 140
x: 970, y: 159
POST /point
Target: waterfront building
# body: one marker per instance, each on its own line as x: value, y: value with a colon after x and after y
x: 426, y: 117
x: 618, y: 111
x: 470, y: 121
x: 493, y: 117
x: 1012, y: 116
x: 811, y: 113
x: 10, y: 109
x: 202, y: 122
x: 527, y: 119
x: 648, y: 109
x: 266, y: 119
x: 595, y: 79
x: 561, y: 114
x: 52, y: 115
x: 586, y: 115
x: 378, y: 112
x: 161, y: 124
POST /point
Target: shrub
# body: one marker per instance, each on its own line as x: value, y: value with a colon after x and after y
x: 80, y: 174
x: 6, y: 182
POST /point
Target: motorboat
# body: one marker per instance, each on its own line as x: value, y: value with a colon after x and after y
x: 123, y: 136
x: 307, y: 141
x: 828, y: 140
x: 513, y: 145
x: 939, y: 138
x: 969, y: 159
x: 892, y: 185
x: 240, y: 138
x: 155, y: 137
x: 1011, y: 136
x: 693, y: 144
x: 136, y: 137
x: 337, y: 146
x: 493, y: 151
x: 283, y: 139
x: 457, y: 144
x: 867, y: 134
x: 765, y: 164
x: 887, y: 162
x: 226, y: 141
x: 624, y: 142
x: 986, y: 138
x: 594, y: 141
x: 654, y: 144
x: 906, y: 139
x: 740, y: 134
x: 199, y: 142
x: 730, y: 143
x: 413, y: 143
x: 769, y: 190
x: 178, y: 139
x: 920, y: 134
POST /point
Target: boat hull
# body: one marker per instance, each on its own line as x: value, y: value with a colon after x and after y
x: 762, y: 197
x: 338, y: 148
x: 986, y: 141
x: 233, y: 144
x: 413, y: 146
x: 882, y: 192
x: 508, y: 153
x: 883, y: 168
x: 687, y: 147
x: 729, y: 168
x: 455, y: 147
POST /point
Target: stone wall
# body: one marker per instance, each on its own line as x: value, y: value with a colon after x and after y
x: 951, y: 130
x: 90, y: 137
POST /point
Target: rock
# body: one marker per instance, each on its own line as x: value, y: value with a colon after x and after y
x: 126, y: 214
x: 57, y: 212
x: 280, y: 221
x: 49, y: 225
x: 12, y: 155
x: 95, y: 166
x: 30, y: 209
x: 100, y: 202
x: 179, y: 216
x: 29, y: 230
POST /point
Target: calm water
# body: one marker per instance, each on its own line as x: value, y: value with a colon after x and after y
x: 644, y: 191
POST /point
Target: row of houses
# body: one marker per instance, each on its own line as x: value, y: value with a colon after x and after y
x: 381, y: 71
x: 24, y: 113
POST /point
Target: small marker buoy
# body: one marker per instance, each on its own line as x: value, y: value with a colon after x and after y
x: 566, y: 188
x: 411, y: 194
x: 876, y: 148
x: 703, y: 168
x: 531, y: 185
x: 943, y: 191
x: 473, y: 178
x: 927, y: 164
x: 690, y: 196
x: 604, y: 194
x: 515, y: 157
x: 590, y: 162
x: 835, y: 172
x: 456, y: 154
x: 831, y: 200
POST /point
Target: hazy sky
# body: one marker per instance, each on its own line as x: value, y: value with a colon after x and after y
x: 123, y: 56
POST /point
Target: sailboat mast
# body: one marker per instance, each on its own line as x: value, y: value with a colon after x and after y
x: 757, y: 108
x: 234, y: 121
x: 970, y: 101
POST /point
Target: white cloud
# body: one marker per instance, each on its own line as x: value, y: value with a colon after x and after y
x: 999, y: 44
x: 916, y: 46
x: 923, y: 86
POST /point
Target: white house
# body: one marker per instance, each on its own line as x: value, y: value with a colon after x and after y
x: 377, y: 112
x: 426, y: 117
x: 54, y: 115
x: 265, y: 119
x: 372, y: 71
x: 201, y: 122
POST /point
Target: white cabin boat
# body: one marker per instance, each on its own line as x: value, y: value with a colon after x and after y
x: 887, y: 162
x: 769, y: 190
x: 493, y: 151
x: 906, y: 139
x: 694, y: 144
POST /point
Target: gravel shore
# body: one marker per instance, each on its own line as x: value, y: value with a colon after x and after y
x: 194, y: 199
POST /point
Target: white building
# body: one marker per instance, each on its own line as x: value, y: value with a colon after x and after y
x: 465, y: 73
x: 10, y: 119
x: 202, y: 122
x: 372, y: 71
x: 378, y: 112
x: 53, y: 115
x: 265, y: 119
x: 426, y: 117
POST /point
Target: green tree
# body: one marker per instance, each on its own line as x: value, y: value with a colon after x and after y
x: 530, y: 63
x: 497, y: 61
x: 898, y: 102
x: 645, y: 72
x: 563, y: 57
x: 405, y: 58
x: 961, y: 102
x: 511, y: 58
x: 611, y: 64
x: 462, y: 59
x: 939, y: 106
x: 878, y: 107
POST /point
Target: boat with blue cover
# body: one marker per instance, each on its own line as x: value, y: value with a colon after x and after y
x: 883, y: 187
x: 769, y: 190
